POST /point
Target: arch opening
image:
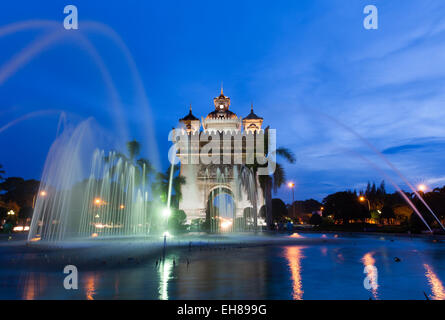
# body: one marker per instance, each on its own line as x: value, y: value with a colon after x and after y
x: 221, y: 210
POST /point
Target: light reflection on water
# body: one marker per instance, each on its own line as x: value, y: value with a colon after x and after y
x: 165, y: 274
x: 436, y: 285
x: 294, y: 255
x: 90, y: 286
x: 33, y: 285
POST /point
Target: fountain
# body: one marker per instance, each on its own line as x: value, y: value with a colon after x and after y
x: 87, y: 193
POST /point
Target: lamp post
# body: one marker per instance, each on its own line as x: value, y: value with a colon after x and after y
x: 362, y: 199
x: 42, y: 194
x: 292, y: 186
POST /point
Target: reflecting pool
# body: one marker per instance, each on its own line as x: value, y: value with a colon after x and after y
x: 394, y: 268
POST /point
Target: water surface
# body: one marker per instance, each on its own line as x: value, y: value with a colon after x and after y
x: 320, y: 271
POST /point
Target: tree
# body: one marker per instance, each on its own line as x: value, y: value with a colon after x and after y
x: 133, y: 148
x: 315, y: 219
x: 143, y: 167
x: 403, y: 212
x: 306, y: 206
x: 436, y: 201
x: 276, y: 179
x: 375, y: 195
x: 161, y: 185
x: 279, y: 210
x: 416, y: 225
x: 176, y: 222
x: 17, y: 194
x: 344, y: 206
x: 2, y: 172
x: 387, y: 213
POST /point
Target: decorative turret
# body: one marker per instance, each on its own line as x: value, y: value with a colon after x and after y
x: 191, y: 123
x: 222, y: 102
x: 222, y: 119
x: 252, y: 123
x: 222, y: 111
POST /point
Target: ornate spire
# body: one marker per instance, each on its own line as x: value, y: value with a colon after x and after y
x: 190, y: 116
x: 222, y: 102
x: 222, y: 88
x: 252, y: 115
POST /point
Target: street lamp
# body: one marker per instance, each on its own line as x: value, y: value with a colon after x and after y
x: 362, y: 199
x: 42, y: 194
x: 292, y: 186
x: 98, y: 202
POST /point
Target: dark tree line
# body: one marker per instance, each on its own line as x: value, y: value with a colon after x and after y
x: 18, y: 195
x: 375, y: 205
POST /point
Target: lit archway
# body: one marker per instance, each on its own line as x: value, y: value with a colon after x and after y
x: 221, y: 210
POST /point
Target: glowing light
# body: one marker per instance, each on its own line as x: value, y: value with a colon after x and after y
x: 94, y: 235
x: 291, y: 184
x: 294, y: 255
x: 35, y: 239
x: 18, y: 228
x: 99, y: 225
x: 43, y: 193
x: 261, y: 222
x: 98, y: 201
x: 362, y: 198
x: 26, y: 228
x: 296, y: 235
x: 435, y: 283
x: 226, y: 223
x: 166, y: 212
x: 122, y: 206
x: 421, y: 187
x: 11, y: 212
x: 166, y: 234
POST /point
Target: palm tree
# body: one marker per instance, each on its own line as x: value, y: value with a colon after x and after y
x: 276, y: 179
x: 162, y: 181
x: 143, y: 167
x: 133, y: 148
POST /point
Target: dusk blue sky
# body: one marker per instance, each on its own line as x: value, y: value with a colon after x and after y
x: 309, y: 67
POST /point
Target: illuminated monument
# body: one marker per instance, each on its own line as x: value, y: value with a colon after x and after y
x: 224, y: 194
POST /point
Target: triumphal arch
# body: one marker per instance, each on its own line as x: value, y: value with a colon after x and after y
x: 215, y: 153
